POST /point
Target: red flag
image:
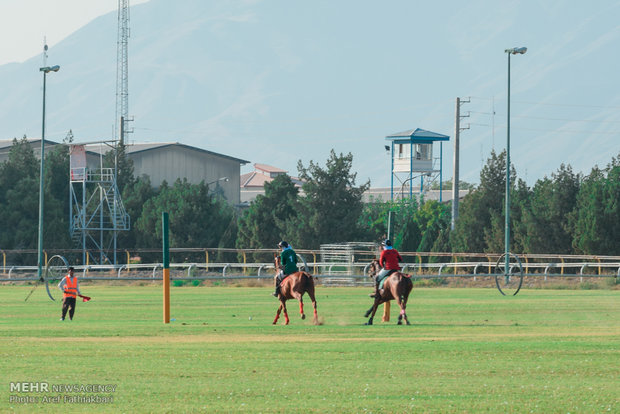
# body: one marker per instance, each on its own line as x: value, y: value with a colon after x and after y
x: 84, y: 298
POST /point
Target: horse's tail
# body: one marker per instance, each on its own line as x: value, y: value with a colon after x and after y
x: 408, y: 282
x: 308, y: 279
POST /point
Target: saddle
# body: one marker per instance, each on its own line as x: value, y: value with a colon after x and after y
x: 390, y: 273
x: 384, y: 278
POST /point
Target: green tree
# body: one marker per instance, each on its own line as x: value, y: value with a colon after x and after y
x: 495, y: 233
x: 57, y: 203
x: 595, y: 224
x: 19, y: 197
x: 197, y: 219
x: 135, y: 197
x: 329, y: 210
x: 433, y: 219
x: 375, y: 218
x: 482, y: 210
x: 447, y: 185
x: 415, y: 227
x: 263, y: 224
x: 544, y: 225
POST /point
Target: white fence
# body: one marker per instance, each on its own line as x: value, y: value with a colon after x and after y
x: 328, y: 273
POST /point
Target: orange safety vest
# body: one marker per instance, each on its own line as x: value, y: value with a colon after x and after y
x: 70, y: 287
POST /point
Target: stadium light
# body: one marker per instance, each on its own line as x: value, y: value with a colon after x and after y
x: 225, y: 179
x: 513, y: 51
x: 45, y: 70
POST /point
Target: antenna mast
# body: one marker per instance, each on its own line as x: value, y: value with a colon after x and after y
x: 122, y: 74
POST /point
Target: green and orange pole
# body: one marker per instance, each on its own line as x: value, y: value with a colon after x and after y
x: 386, y: 312
x: 166, y: 258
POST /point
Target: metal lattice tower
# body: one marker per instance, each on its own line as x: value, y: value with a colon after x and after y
x: 97, y: 211
x: 122, y: 74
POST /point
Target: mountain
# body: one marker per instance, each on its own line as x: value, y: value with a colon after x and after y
x: 278, y: 81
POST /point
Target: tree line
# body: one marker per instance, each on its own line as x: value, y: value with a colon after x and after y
x: 567, y: 213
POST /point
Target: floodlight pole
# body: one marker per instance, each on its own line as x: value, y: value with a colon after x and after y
x: 45, y: 71
x: 513, y: 51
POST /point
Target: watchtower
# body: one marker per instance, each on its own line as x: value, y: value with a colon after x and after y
x: 412, y: 157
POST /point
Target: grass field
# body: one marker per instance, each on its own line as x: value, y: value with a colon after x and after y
x: 467, y: 350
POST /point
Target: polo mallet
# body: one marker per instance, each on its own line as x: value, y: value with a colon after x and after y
x: 56, y: 267
x: 33, y: 289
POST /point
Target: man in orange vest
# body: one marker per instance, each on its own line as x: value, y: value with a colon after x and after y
x: 70, y: 288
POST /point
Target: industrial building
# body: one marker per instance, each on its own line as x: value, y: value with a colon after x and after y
x: 162, y: 161
x: 169, y: 161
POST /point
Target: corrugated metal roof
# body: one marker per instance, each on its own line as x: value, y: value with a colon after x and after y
x: 7, y: 143
x: 417, y: 134
x: 147, y: 146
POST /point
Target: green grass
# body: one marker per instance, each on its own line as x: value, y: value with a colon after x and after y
x: 467, y: 350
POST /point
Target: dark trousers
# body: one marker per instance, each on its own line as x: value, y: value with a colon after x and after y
x: 68, y: 303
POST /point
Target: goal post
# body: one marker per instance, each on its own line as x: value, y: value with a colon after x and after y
x: 166, y: 265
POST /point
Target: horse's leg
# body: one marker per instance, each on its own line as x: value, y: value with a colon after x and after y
x: 402, y: 302
x: 286, y: 319
x: 310, y: 290
x: 301, y: 307
x: 405, y: 297
x: 372, y: 311
x: 278, y: 314
x: 315, y: 318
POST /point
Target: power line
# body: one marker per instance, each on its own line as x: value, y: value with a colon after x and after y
x: 553, y: 104
x: 551, y: 119
x: 567, y: 120
x: 570, y: 105
x: 570, y: 131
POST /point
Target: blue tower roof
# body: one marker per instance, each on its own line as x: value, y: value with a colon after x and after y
x: 417, y: 135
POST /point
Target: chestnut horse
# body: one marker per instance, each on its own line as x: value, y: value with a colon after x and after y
x: 293, y: 287
x: 397, y: 286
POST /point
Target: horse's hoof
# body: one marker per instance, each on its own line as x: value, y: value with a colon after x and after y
x: 408, y: 323
x: 399, y: 323
x: 303, y: 316
x: 368, y: 323
x: 367, y: 314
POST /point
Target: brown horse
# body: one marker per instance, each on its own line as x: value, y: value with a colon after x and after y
x: 293, y: 287
x: 397, y: 286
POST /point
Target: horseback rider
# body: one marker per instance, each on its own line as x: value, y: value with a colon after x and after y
x: 388, y: 260
x: 288, y: 265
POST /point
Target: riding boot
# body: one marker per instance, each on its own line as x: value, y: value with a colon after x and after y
x: 376, y: 292
x: 277, y: 292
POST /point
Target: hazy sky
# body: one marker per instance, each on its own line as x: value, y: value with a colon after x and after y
x: 25, y: 23
x: 355, y: 71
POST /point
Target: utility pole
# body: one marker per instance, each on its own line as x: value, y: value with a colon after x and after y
x: 455, y: 167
